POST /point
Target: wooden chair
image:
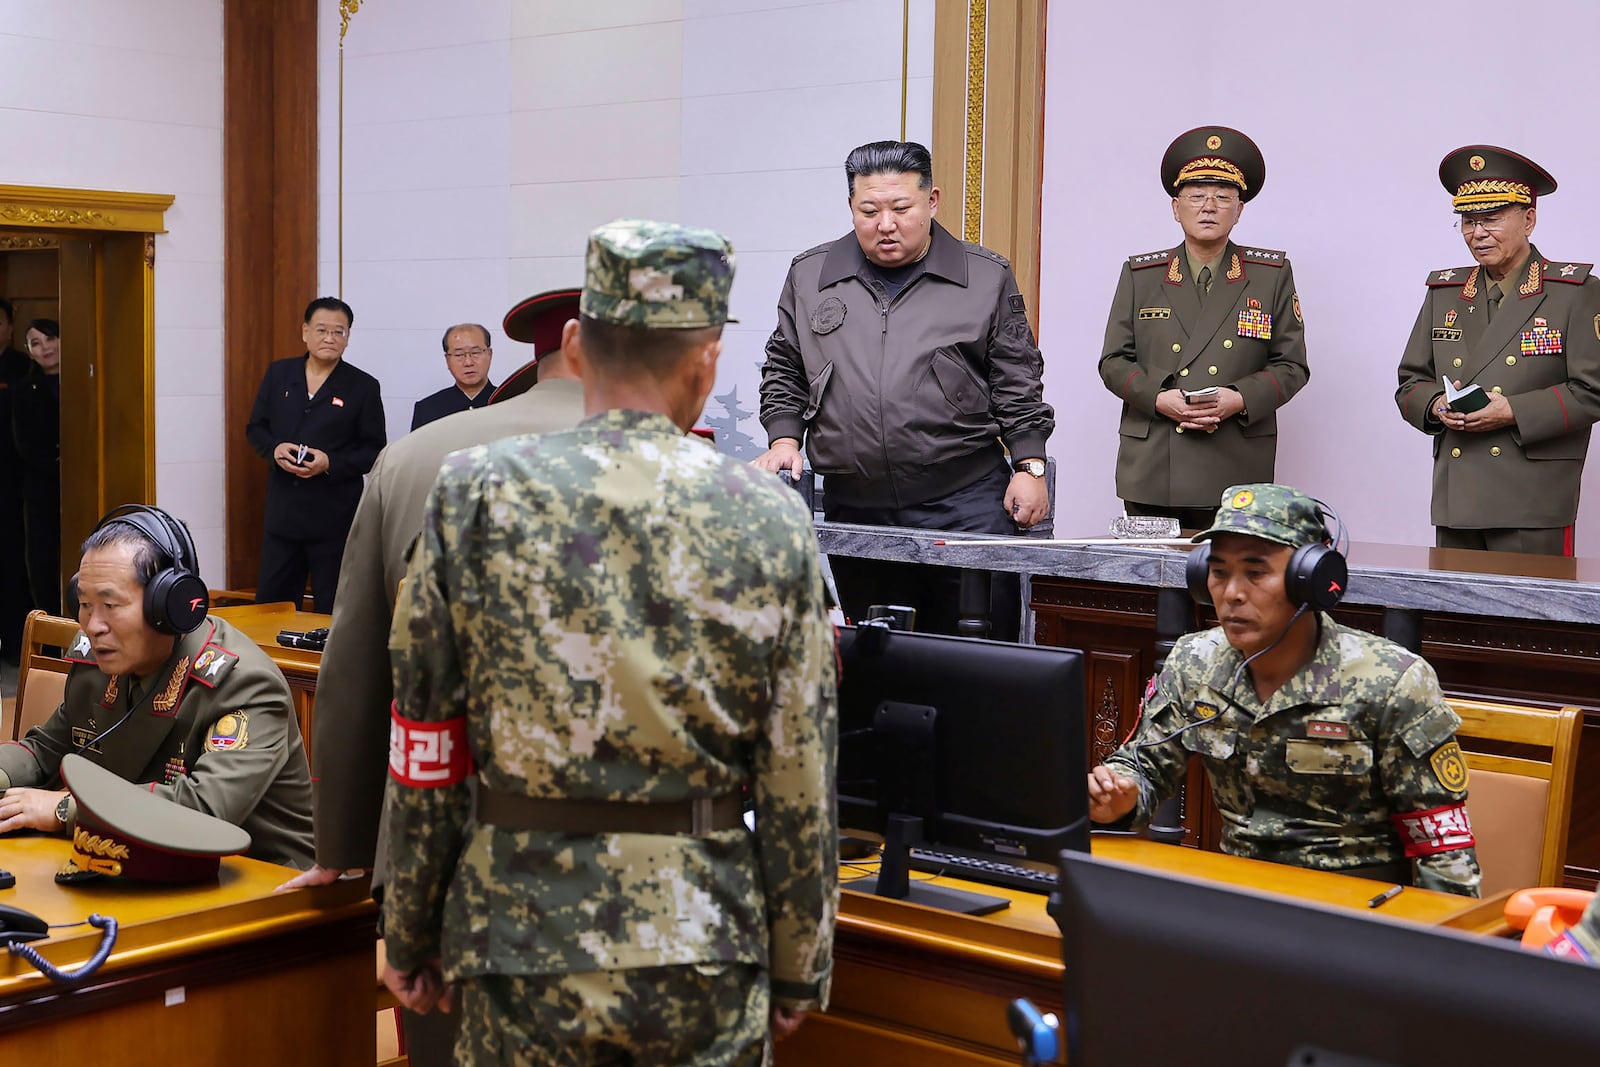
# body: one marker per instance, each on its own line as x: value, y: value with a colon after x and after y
x: 42, y: 679
x: 1522, y: 762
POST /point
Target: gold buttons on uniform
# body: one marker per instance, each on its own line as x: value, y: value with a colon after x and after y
x: 1496, y: 389
x: 1511, y: 361
x: 1184, y: 373
x: 1176, y: 347
x: 1211, y: 369
x: 1228, y: 343
x: 1180, y: 429
x: 1495, y: 451
x: 1456, y: 362
x: 1455, y: 453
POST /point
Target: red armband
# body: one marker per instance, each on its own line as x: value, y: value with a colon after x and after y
x: 427, y: 755
x: 1442, y: 829
x: 1567, y: 947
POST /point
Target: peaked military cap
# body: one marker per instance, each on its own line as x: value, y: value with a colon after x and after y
x: 1481, y: 177
x: 537, y: 321
x: 125, y: 830
x: 1271, y: 512
x: 1214, y: 154
x: 657, y: 275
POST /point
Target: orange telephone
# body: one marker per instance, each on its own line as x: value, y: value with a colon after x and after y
x: 1542, y: 913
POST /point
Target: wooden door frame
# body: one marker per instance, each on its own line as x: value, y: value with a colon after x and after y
x: 110, y: 236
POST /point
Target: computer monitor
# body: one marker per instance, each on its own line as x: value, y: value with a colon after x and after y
x: 982, y: 741
x: 1163, y: 969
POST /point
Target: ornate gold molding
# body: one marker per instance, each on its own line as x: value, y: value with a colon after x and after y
x: 347, y: 9
x: 27, y: 242
x: 83, y: 209
x: 977, y: 58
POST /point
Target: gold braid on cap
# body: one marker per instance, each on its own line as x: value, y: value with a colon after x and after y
x: 1490, y: 192
x: 1210, y: 168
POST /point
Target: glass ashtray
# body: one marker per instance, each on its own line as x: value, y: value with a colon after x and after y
x: 1130, y: 526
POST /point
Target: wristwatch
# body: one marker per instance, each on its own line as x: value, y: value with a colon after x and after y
x: 64, y: 811
x: 1034, y: 467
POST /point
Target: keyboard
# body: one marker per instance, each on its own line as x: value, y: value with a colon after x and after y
x: 982, y: 867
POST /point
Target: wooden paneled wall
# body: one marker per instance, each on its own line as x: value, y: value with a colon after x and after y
x: 270, y: 271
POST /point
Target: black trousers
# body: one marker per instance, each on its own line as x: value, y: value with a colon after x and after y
x: 286, y: 563
x: 935, y: 592
x: 1191, y: 519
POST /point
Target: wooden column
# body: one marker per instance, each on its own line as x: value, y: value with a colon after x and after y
x: 270, y: 266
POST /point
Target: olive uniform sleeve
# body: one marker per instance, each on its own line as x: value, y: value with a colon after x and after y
x: 1545, y: 413
x: 426, y: 824
x: 1287, y: 371
x: 1119, y: 361
x: 783, y: 376
x: 1016, y: 377
x: 36, y: 759
x: 1419, y: 382
x: 1424, y: 777
x: 796, y: 816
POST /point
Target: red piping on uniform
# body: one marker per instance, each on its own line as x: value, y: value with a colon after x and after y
x: 1566, y: 422
x: 1566, y: 542
x: 1406, y: 404
x: 1275, y: 385
x: 1127, y: 381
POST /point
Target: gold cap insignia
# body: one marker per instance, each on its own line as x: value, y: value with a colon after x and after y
x: 1476, y: 162
x: 1213, y: 142
x: 1243, y: 498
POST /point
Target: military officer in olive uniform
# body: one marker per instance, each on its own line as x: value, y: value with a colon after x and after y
x: 1507, y: 458
x: 1205, y: 341
x: 166, y: 696
x: 618, y: 633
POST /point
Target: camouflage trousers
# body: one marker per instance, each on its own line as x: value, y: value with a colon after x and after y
x: 704, y: 1014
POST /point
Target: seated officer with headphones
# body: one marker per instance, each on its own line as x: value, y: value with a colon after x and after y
x: 161, y: 694
x: 1326, y: 747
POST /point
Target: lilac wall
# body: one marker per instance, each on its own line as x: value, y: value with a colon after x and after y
x: 1353, y: 106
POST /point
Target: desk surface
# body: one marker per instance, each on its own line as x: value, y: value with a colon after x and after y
x: 158, y: 922
x: 261, y: 623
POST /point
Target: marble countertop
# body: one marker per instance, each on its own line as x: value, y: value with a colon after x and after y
x: 1452, y: 581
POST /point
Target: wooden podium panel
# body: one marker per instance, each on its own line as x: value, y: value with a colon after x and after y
x: 916, y: 987
x: 228, y: 972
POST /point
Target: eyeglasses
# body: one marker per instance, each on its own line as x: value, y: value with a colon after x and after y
x: 1490, y: 224
x: 337, y: 332
x: 467, y: 353
x: 1197, y: 200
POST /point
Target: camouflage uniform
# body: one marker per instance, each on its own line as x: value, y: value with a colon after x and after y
x: 1352, y: 763
x: 1581, y: 942
x: 617, y: 613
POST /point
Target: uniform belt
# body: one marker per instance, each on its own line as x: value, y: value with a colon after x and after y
x: 698, y: 817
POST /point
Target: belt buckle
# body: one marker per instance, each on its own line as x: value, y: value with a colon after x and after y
x: 700, y: 816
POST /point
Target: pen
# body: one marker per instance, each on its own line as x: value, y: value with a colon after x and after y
x: 1387, y: 895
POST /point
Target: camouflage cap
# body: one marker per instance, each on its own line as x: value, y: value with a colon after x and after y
x: 657, y: 275
x: 1270, y: 512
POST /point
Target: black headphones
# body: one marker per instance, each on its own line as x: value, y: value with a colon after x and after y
x: 175, y: 599
x: 1316, y: 577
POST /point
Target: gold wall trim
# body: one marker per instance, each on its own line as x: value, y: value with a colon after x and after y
x: 84, y: 209
x: 977, y: 47
x: 26, y: 242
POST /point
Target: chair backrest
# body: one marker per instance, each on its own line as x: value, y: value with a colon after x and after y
x: 1522, y: 762
x: 43, y: 678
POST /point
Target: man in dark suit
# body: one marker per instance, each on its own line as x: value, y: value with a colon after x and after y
x: 15, y: 598
x: 467, y: 355
x: 320, y: 422
x: 1204, y: 342
x: 1525, y: 331
x: 354, y: 695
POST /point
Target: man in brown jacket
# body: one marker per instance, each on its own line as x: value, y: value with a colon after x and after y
x: 903, y: 361
x: 1205, y: 341
x: 355, y: 688
x: 1525, y: 331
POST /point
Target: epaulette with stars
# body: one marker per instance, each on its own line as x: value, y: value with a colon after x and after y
x: 1150, y: 259
x: 1449, y: 276
x: 1270, y: 257
x: 1575, y: 273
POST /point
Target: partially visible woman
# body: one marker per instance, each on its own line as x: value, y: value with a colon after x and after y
x: 36, y: 429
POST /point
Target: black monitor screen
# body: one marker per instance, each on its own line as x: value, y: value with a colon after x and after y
x: 1162, y: 969
x: 999, y: 769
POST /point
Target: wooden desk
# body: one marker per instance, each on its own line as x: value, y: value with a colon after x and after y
x: 261, y: 623
x: 917, y: 987
x: 229, y: 972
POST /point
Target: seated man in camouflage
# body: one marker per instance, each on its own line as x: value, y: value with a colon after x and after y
x: 163, y: 694
x: 1326, y: 747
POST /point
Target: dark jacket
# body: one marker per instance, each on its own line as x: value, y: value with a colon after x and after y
x: 345, y: 420
x: 448, y: 401
x: 899, y: 402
